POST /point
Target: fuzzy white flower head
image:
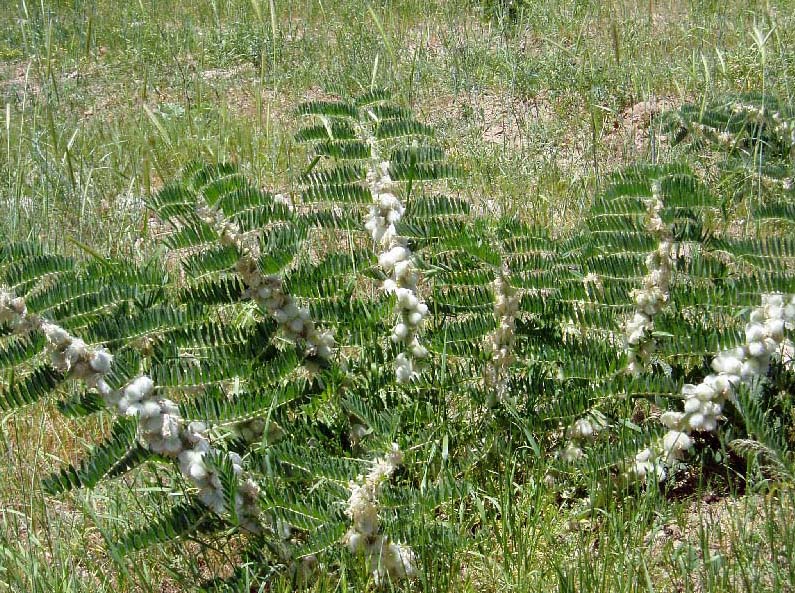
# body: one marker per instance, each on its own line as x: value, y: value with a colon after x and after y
x: 214, y: 499
x: 57, y: 335
x: 404, y: 368
x: 384, y: 467
x: 676, y: 444
x: 672, y: 419
x: 571, y: 453
x: 396, y: 260
x: 395, y: 456
x: 399, y: 561
x: 400, y: 332
x: 101, y: 361
x: 362, y: 509
x: 581, y: 429
x: 192, y: 466
x: 135, y: 391
x: 647, y: 465
x: 355, y: 541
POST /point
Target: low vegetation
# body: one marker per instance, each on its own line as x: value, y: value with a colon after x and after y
x: 402, y: 296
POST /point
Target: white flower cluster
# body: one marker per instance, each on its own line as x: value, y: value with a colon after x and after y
x: 703, y: 403
x: 206, y: 477
x: 268, y: 291
x: 384, y: 557
x: 397, y: 261
x: 71, y: 355
x: 654, y: 461
x: 650, y: 299
x: 160, y: 426
x: 193, y: 466
x: 501, y: 340
x: 387, y: 209
x: 295, y: 323
x: 14, y: 312
x: 582, y: 431
x: 647, y: 464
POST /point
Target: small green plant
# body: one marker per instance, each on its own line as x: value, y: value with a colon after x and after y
x: 751, y: 140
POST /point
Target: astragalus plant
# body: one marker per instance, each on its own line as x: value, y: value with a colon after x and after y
x: 330, y: 371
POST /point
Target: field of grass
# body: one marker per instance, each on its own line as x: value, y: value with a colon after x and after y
x: 104, y: 101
